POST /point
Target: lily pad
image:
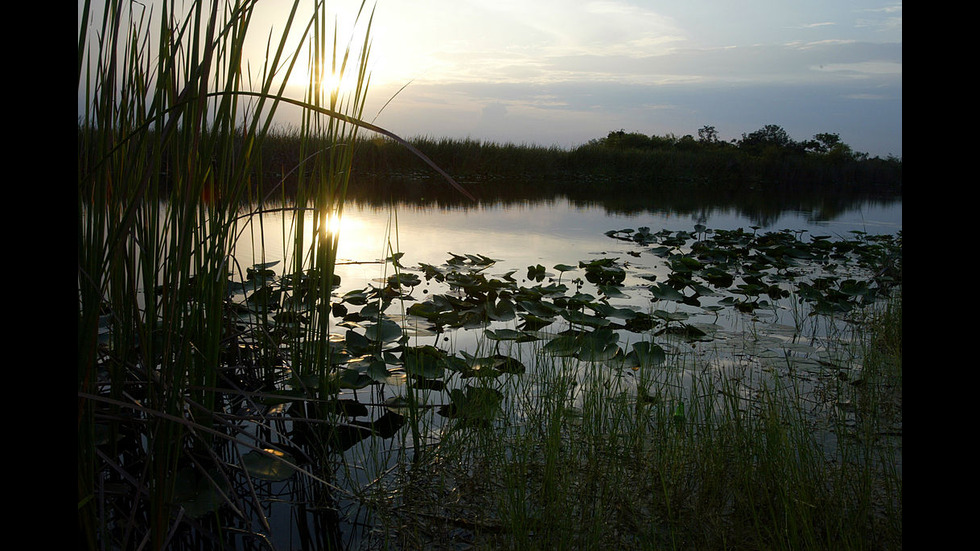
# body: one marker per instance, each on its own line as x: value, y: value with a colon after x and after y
x: 383, y: 331
x: 269, y: 464
x: 198, y: 494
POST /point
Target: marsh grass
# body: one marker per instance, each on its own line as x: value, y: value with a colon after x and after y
x: 586, y: 458
x: 173, y: 382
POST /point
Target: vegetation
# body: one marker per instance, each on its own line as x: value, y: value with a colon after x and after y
x: 167, y: 144
x: 662, y: 447
x: 264, y: 406
x: 766, y: 161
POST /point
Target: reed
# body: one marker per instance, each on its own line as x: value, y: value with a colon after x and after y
x: 169, y: 160
x: 587, y: 458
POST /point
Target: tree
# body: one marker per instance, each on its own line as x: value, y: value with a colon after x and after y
x: 769, y: 140
x: 770, y: 134
x: 620, y: 139
x: 707, y: 134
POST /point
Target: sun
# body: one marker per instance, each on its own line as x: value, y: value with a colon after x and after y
x: 333, y: 79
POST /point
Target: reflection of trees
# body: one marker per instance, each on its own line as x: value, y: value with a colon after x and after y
x: 763, y: 208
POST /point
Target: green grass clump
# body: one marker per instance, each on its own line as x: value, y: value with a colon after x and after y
x: 169, y: 141
x: 676, y: 457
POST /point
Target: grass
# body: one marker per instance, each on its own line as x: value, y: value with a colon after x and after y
x: 585, y: 459
x: 168, y: 143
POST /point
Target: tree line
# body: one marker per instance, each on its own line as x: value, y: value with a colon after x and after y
x: 771, y: 141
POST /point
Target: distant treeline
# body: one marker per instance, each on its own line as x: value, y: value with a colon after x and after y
x: 763, y: 160
x: 621, y: 163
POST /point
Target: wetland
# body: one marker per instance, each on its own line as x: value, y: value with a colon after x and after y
x: 336, y: 338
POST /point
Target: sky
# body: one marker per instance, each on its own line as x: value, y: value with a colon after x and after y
x: 562, y: 72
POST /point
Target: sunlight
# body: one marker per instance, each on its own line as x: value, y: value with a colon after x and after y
x: 331, y: 82
x: 335, y: 225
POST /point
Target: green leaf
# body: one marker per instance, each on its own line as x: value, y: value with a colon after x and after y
x: 503, y: 310
x: 563, y: 345
x: 581, y: 318
x: 269, y: 464
x: 384, y: 331
x: 424, y: 361
x: 197, y: 493
x: 649, y: 354
x: 663, y: 291
x: 504, y: 334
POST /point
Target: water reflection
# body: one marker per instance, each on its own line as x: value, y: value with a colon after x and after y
x: 548, y: 231
x: 760, y: 207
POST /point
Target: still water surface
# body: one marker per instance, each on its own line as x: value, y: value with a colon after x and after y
x: 544, y: 232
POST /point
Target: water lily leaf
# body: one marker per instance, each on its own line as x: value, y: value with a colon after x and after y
x: 598, y: 352
x: 503, y: 310
x: 531, y: 322
x: 398, y: 405
x: 574, y: 316
x: 356, y: 297
x: 431, y: 272
x: 563, y: 345
x: 505, y: 334
x: 373, y: 367
x: 853, y: 287
x: 404, y: 279
x: 648, y: 354
x: 702, y: 290
x: 717, y: 277
x: 269, y: 464
x: 535, y: 273
x: 564, y: 267
x: 346, y: 406
x: 351, y: 379
x: 506, y: 364
x: 663, y: 291
x: 538, y: 308
x: 682, y: 263
x: 303, y: 382
x: 424, y: 361
x: 671, y: 316
x: 356, y: 343
x: 198, y: 494
x: 685, y: 331
x: 475, y: 403
x: 612, y: 291
x: 603, y: 271
x: 609, y: 311
x: 384, y: 331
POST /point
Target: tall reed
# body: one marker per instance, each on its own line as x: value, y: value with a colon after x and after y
x: 171, y: 125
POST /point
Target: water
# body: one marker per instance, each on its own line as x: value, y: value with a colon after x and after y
x: 545, y: 232
x: 560, y: 231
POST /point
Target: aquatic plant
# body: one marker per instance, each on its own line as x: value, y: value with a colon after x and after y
x: 187, y: 360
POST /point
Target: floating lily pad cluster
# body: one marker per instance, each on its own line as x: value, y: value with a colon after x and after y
x: 574, y: 311
x: 370, y: 349
x: 750, y: 269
